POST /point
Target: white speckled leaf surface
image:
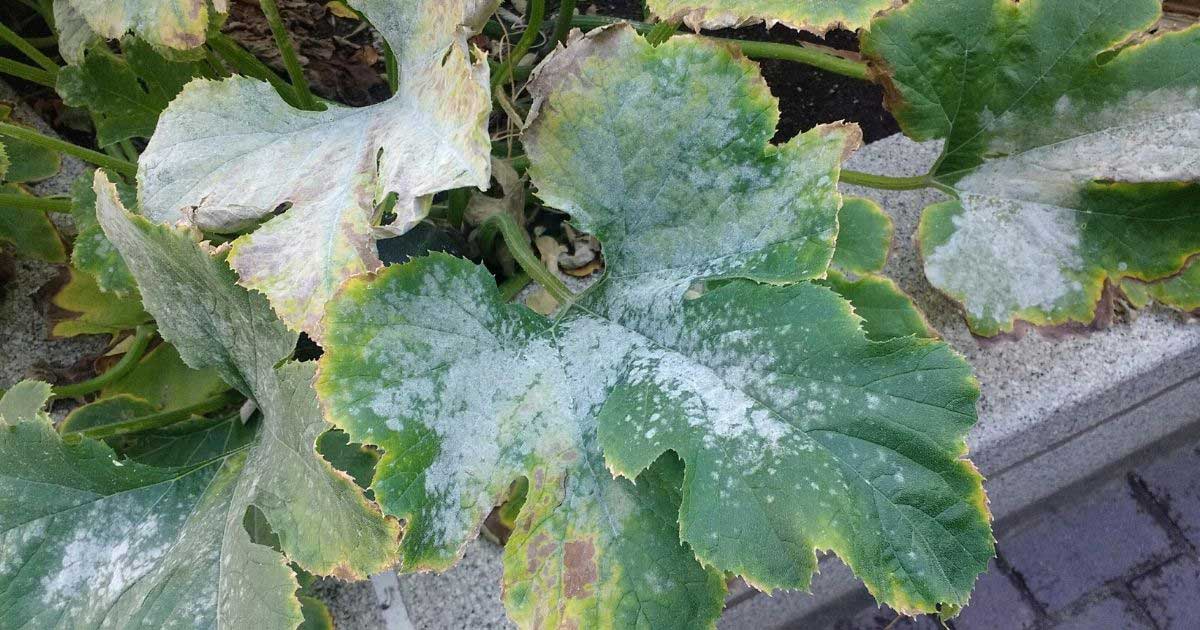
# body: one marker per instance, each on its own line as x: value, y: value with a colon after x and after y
x: 167, y: 24
x: 817, y: 16
x: 763, y: 383
x: 228, y: 153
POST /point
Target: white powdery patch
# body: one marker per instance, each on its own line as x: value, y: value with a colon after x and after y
x: 1006, y: 255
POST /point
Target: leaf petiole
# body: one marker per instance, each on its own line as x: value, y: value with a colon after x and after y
x: 26, y: 72
x: 162, y: 419
x: 141, y: 339
x: 288, y: 52
x: 883, y: 182
x: 123, y: 167
x: 249, y: 65
x: 537, y: 11
x: 31, y: 51
x: 562, y: 27
x: 30, y: 202
x: 518, y: 245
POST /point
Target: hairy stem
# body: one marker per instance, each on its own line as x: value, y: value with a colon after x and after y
x: 161, y: 420
x: 537, y: 11
x: 30, y: 202
x: 27, y: 72
x: 54, y: 144
x: 883, y: 182
x: 562, y: 27
x: 518, y: 245
x: 141, y: 339
x: 288, y: 53
x: 249, y: 65
x: 29, y: 50
x: 800, y: 53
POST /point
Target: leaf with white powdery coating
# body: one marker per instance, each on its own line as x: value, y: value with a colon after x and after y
x: 166, y: 24
x: 167, y: 547
x: 1072, y: 154
x: 764, y: 384
x: 228, y: 153
x: 817, y: 16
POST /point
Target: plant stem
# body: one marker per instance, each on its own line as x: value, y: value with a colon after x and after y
x: 162, y: 419
x: 518, y: 245
x: 249, y: 65
x: 456, y: 205
x: 30, y: 202
x: 562, y: 27
x: 393, y: 71
x: 141, y: 339
x: 883, y: 182
x: 800, y: 53
x: 27, y: 72
x: 288, y: 52
x: 537, y: 10
x: 54, y: 144
x: 29, y: 50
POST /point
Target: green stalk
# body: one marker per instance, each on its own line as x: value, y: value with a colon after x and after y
x: 562, y: 27
x: 162, y: 419
x: 537, y: 11
x: 249, y: 65
x: 518, y: 246
x: 27, y: 72
x: 30, y: 202
x: 393, y: 71
x: 141, y: 339
x: 288, y: 52
x: 29, y: 50
x: 800, y: 53
x: 54, y: 144
x: 456, y: 203
x: 131, y: 152
x: 883, y: 182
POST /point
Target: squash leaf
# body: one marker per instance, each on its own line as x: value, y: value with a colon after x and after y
x: 29, y: 231
x: 91, y: 539
x: 817, y: 16
x: 92, y: 253
x: 228, y: 153
x: 704, y: 338
x: 166, y: 24
x: 86, y: 310
x: 1071, y: 153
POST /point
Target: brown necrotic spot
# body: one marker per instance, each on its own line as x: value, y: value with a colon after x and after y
x: 579, y: 560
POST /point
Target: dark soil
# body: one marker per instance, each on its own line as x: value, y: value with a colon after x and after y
x: 807, y: 96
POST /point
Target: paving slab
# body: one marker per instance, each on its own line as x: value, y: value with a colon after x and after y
x: 1171, y: 593
x: 1111, y: 613
x: 998, y: 605
x: 1175, y: 482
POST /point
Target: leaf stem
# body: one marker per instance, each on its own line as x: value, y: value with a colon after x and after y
x: 249, y: 65
x: 29, y: 50
x: 141, y: 339
x: 518, y: 245
x: 162, y: 419
x: 800, y: 53
x: 30, y: 202
x: 290, y: 61
x: 537, y: 11
x: 54, y: 144
x: 883, y: 182
x: 562, y: 27
x: 393, y: 70
x: 27, y: 72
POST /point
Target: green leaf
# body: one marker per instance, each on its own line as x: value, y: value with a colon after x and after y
x: 864, y: 236
x: 90, y: 311
x: 27, y: 162
x: 109, y: 410
x: 316, y: 614
x: 1070, y: 151
x: 228, y: 153
x: 795, y: 431
x: 163, y: 380
x: 29, y: 231
x: 817, y: 16
x: 103, y: 539
x: 92, y: 252
x: 1180, y: 292
x: 126, y: 93
x: 166, y: 24
x: 5, y: 163
x: 887, y: 311
x: 23, y: 401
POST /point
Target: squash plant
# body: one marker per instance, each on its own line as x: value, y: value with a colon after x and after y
x: 737, y: 390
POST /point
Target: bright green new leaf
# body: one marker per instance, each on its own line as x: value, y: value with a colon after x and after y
x: 817, y: 16
x: 86, y: 310
x: 92, y: 540
x: 704, y: 339
x: 126, y: 93
x: 166, y: 24
x: 92, y: 252
x: 228, y: 153
x: 1071, y: 153
x: 29, y: 231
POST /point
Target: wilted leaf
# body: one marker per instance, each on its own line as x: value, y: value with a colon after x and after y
x: 90, y: 311
x: 126, y: 93
x: 818, y: 16
x: 29, y: 231
x: 166, y: 24
x: 227, y: 153
x: 93, y: 539
x: 795, y: 431
x: 1071, y: 155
